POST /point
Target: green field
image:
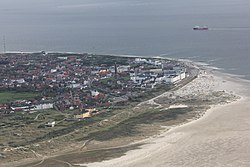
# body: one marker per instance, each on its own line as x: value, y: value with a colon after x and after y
x: 6, y: 97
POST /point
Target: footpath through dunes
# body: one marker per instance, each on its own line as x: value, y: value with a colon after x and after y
x: 220, y: 138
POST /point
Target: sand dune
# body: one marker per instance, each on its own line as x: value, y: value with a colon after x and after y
x: 220, y: 138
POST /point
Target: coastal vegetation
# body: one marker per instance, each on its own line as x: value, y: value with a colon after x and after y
x: 129, y: 127
x: 119, y: 109
x: 11, y: 96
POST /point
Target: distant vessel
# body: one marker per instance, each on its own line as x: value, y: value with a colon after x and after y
x: 200, y: 28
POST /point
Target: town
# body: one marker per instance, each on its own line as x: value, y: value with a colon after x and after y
x: 82, y: 82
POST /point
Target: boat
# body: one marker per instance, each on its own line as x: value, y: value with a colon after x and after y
x: 200, y: 28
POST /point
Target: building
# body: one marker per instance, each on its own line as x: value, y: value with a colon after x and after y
x: 43, y: 106
x: 51, y: 124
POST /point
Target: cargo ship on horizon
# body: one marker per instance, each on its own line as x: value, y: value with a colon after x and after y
x: 200, y: 28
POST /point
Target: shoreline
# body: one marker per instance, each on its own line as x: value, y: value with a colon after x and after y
x: 193, y: 62
x: 172, y: 128
x: 139, y: 157
x: 170, y: 135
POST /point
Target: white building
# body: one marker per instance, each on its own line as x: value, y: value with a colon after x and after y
x: 62, y: 58
x: 74, y: 85
x: 172, y: 78
x: 123, y: 69
x: 140, y: 60
x: 94, y: 93
x: 158, y: 70
x: 138, y: 79
x: 183, y: 75
x: 43, y: 106
x: 53, y: 70
x: 51, y: 124
x: 20, y: 81
x: 159, y: 79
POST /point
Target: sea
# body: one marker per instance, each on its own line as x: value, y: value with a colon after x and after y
x: 132, y: 27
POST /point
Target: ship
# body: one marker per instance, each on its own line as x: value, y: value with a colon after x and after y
x: 200, y: 28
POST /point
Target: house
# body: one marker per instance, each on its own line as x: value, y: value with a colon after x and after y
x: 44, y: 106
x: 20, y: 81
x: 3, y: 106
x: 172, y: 78
x: 183, y: 75
x: 156, y: 71
x: 121, y: 69
x: 138, y: 78
x: 87, y: 114
x: 51, y: 124
x: 23, y: 108
x: 74, y: 85
x: 62, y: 58
x: 94, y: 93
x: 140, y: 60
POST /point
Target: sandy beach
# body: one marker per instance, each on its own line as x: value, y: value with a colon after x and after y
x: 219, y: 138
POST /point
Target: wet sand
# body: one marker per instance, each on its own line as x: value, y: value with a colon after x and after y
x: 220, y: 138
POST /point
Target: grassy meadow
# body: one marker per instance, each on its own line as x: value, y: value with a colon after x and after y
x: 10, y: 96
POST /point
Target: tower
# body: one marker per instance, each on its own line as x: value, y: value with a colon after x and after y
x: 4, y: 44
x: 115, y: 70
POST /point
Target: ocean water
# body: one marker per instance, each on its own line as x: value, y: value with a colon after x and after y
x: 133, y: 27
